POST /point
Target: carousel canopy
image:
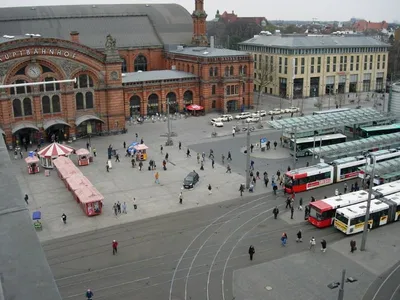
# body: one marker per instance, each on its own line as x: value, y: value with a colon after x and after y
x: 55, y: 150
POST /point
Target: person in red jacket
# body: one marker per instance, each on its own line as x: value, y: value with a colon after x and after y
x: 115, y: 247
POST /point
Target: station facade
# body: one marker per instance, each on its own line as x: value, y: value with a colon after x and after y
x: 115, y: 81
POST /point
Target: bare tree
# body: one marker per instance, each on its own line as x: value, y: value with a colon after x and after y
x: 320, y: 103
x: 265, y: 77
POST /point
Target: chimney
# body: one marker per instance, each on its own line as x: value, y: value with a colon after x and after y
x: 74, y: 36
x: 212, y: 42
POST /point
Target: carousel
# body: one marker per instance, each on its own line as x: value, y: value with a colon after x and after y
x: 51, y: 152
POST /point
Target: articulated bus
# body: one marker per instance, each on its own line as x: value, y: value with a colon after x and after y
x: 339, y: 170
x: 322, y: 212
x: 367, y: 132
x: 351, y: 219
x: 305, y: 144
x: 330, y: 111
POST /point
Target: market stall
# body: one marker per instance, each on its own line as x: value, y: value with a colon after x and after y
x: 33, y: 164
x: 141, y: 152
x: 195, y: 109
x: 76, y: 182
x: 51, y: 152
x: 83, y: 157
x: 131, y: 148
x: 90, y: 199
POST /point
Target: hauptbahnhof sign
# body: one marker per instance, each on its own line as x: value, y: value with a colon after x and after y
x: 36, y: 51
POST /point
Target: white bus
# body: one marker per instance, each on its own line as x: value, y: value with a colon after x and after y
x: 305, y: 145
x: 351, y: 219
x: 330, y: 111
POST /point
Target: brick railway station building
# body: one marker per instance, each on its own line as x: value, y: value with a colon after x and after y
x: 128, y: 60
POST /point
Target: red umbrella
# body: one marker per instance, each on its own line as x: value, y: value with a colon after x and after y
x: 194, y: 107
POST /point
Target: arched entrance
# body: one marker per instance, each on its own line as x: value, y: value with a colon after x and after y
x: 25, y: 134
x: 88, y: 124
x: 173, y: 104
x: 134, y: 104
x: 232, y: 105
x: 152, y: 105
x: 188, y: 98
x: 56, y: 130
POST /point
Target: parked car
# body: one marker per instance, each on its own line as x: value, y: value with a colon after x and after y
x: 243, y: 115
x: 217, y: 122
x: 190, y: 180
x: 263, y: 113
x: 226, y: 118
x: 259, y: 113
x: 275, y: 111
x: 252, y: 119
x: 292, y: 109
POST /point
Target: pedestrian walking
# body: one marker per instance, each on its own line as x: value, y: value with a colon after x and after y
x: 251, y: 148
x: 198, y: 158
x: 94, y: 152
x: 233, y: 132
x: 26, y: 198
x: 124, y: 144
x: 275, y: 144
x: 258, y: 175
x: 107, y: 167
x: 156, y: 177
x: 161, y: 149
x: 180, y: 198
x: 89, y: 294
x: 288, y: 201
x: 180, y: 145
x: 301, y: 203
x: 323, y: 245
x: 140, y: 165
x: 228, y: 169
x: 209, y: 189
x: 115, y: 208
x: 345, y: 188
x: 64, y: 218
x: 284, y: 239
x: 229, y: 156
x: 241, y: 190
x: 115, y: 247
x: 223, y: 159
x: 299, y: 237
x: 251, y: 251
x: 188, y: 153
x: 166, y: 156
x: 20, y: 154
x: 212, y: 163
x: 252, y: 165
x: 275, y: 211
x: 117, y: 157
x: 312, y: 244
x: 87, y: 145
x: 136, y: 136
x: 124, y: 208
x: 291, y: 212
x: 353, y: 246
x: 119, y: 207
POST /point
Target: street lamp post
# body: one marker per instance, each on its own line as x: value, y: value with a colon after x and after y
x: 371, y: 183
x: 341, y: 288
x: 169, y: 140
x: 295, y: 148
x: 248, y: 149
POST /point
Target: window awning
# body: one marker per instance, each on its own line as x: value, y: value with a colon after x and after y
x: 84, y: 118
x: 48, y: 123
x: 24, y: 125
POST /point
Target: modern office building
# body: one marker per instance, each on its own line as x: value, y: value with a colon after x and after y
x: 296, y: 66
x: 128, y: 59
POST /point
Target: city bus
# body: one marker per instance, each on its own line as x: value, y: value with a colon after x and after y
x: 366, y: 132
x: 330, y: 111
x: 304, y: 145
x: 308, y: 178
x: 322, y: 212
x: 351, y: 219
x: 339, y: 170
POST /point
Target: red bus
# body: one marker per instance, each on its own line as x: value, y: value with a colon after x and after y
x: 322, y: 212
x: 308, y: 178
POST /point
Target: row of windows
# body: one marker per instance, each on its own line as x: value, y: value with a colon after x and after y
x: 232, y: 90
x: 139, y: 64
x: 273, y: 50
x: 229, y: 71
x: 135, y: 100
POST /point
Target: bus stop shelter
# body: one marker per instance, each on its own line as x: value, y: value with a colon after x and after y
x: 384, y: 172
x: 358, y: 146
x: 306, y: 126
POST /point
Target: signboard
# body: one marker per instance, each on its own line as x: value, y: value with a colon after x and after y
x: 36, y: 51
x: 263, y: 142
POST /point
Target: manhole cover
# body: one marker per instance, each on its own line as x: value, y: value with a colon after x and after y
x: 268, y: 288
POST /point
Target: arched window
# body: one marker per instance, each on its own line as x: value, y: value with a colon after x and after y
x: 187, y: 68
x: 79, y: 101
x: 134, y: 103
x: 46, y: 105
x: 50, y: 87
x: 123, y: 66
x: 84, y: 81
x: 88, y: 100
x: 216, y: 71
x: 152, y: 104
x: 240, y: 70
x: 213, y: 89
x: 20, y: 89
x: 192, y: 69
x: 172, y: 102
x: 245, y: 70
x: 27, y: 105
x: 17, y: 108
x: 231, y: 71
x: 188, y: 97
x: 226, y: 71
x: 211, y: 72
x: 140, y: 63
x: 55, y: 101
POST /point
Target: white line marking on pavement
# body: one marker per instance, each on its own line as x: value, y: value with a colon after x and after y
x: 205, y: 242
x: 394, y: 293
x: 384, y: 282
x: 219, y: 250
x: 197, y: 236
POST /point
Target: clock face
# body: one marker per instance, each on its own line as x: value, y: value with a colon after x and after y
x: 33, y: 70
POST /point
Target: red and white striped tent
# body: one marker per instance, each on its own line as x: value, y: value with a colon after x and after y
x: 53, y: 151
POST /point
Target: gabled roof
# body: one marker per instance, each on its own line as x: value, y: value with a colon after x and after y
x: 317, y: 41
x: 133, y: 25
